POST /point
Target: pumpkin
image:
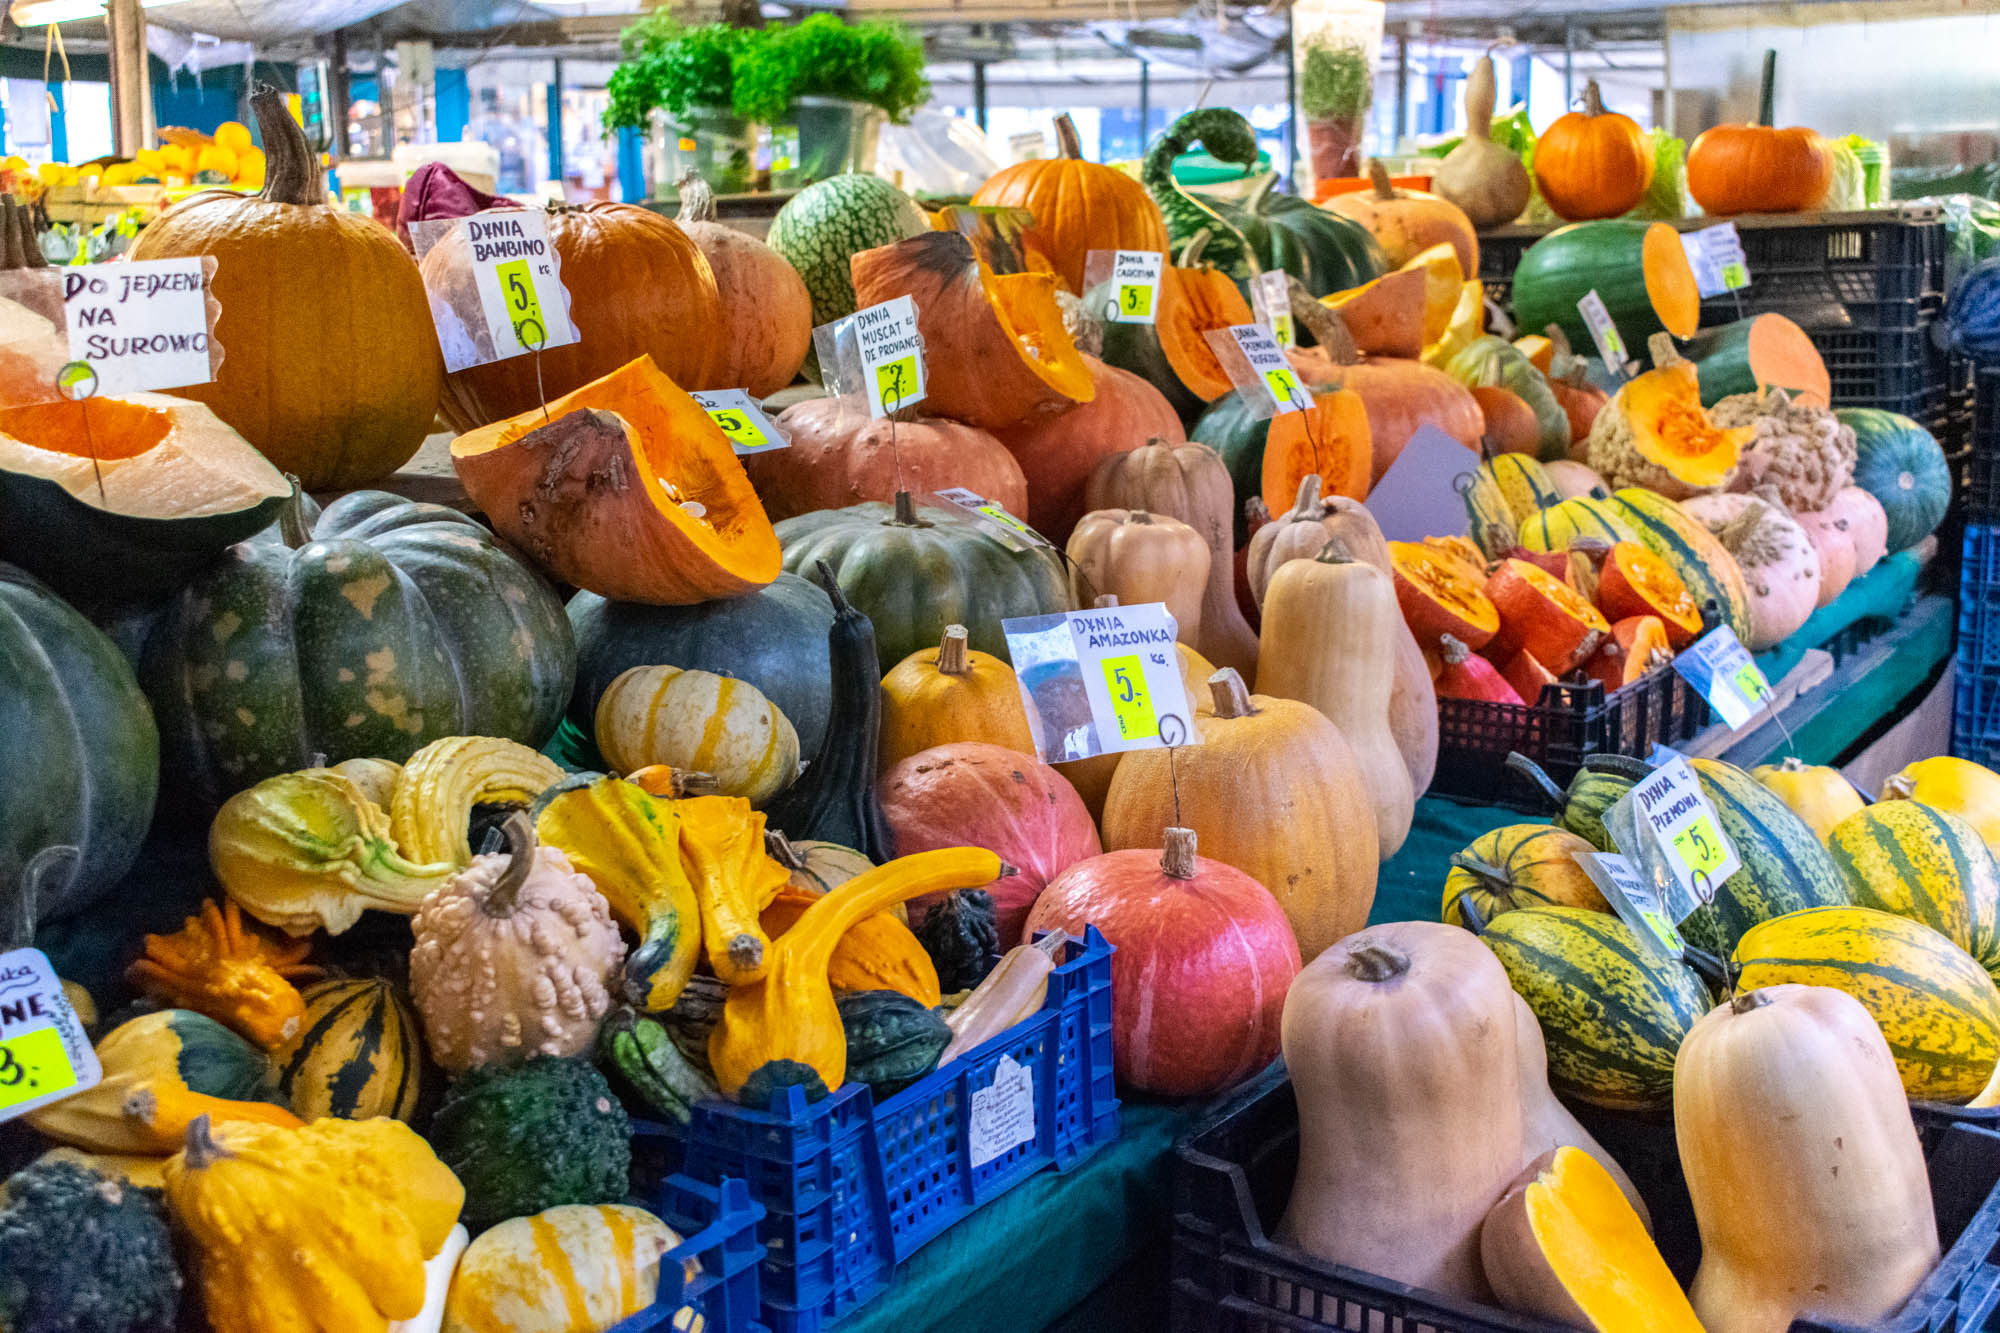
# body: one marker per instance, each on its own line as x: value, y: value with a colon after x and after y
x: 217, y: 966
x: 1490, y: 360
x: 1511, y: 427
x: 358, y: 1053
x: 1218, y: 933
x: 1820, y: 796
x: 1187, y: 482
x: 877, y: 954
x: 1705, y: 566
x: 839, y: 455
x: 892, y: 1040
x: 1462, y: 674
x: 1523, y: 484
x: 766, y: 309
x: 1527, y: 677
x: 1752, y: 354
x: 1799, y: 450
x: 1172, y: 353
x: 1638, y: 269
x: 1388, y: 1017
x: 1755, y: 168
x: 1779, y: 562
x: 969, y: 792
x: 333, y: 398
x: 1405, y: 223
x: 1593, y: 163
x: 1772, y: 1090
x: 1385, y: 316
x: 1331, y: 438
x: 1519, y: 865
x: 1574, y: 480
x: 1836, y: 553
x: 1440, y: 596
x: 77, y: 722
x: 1079, y: 206
x: 733, y: 879
x: 1274, y: 790
x: 1092, y: 776
x: 325, y: 1227
x: 1900, y: 464
x: 700, y: 721
x: 1480, y: 176
x: 950, y: 693
x: 1140, y: 557
x: 1955, y: 786
x: 822, y: 226
x: 1543, y: 615
x: 1329, y: 624
x: 1655, y: 433
x: 1632, y: 581
x: 1924, y: 863
x: 1546, y: 1124
x: 83, y: 1247
x: 1601, y: 781
x: 1058, y: 453
x: 913, y: 569
x: 624, y: 487
x: 1634, y: 647
x: 1398, y: 395
x: 511, y: 957
x: 1565, y: 1244
x: 1867, y: 526
x: 589, y: 1263
x: 1587, y: 518
x: 525, y: 1137
x: 150, y: 486
x: 996, y: 351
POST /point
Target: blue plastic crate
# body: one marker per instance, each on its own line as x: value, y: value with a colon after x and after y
x: 1975, y: 720
x: 720, y: 1225
x: 850, y: 1188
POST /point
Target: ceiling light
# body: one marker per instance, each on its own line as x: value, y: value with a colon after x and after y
x: 39, y: 13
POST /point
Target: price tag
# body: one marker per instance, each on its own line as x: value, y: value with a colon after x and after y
x: 1610, y: 346
x: 141, y: 325
x: 519, y: 280
x: 993, y: 518
x: 892, y: 355
x: 1134, y: 296
x: 1028, y: 146
x: 44, y: 1054
x: 1271, y: 298
x: 1257, y: 366
x: 1101, y: 681
x: 739, y: 417
x: 784, y: 147
x: 1721, y: 668
x: 1633, y: 899
x: 1670, y: 808
x: 1716, y: 255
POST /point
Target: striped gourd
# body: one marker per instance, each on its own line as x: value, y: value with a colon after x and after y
x: 1524, y: 483
x: 1785, y: 868
x: 357, y: 1055
x: 1519, y: 865
x: 575, y: 1266
x: 1579, y: 809
x: 1935, y: 1004
x: 1924, y: 864
x: 1612, y: 1012
x: 1554, y: 528
x: 1704, y: 564
x: 1489, y: 520
x: 701, y: 722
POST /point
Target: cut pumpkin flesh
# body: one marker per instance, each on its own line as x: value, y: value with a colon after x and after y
x: 1752, y: 355
x: 1670, y: 428
x: 1439, y: 596
x: 1670, y: 281
x: 1542, y: 614
x: 624, y: 487
x: 1330, y: 438
x: 1386, y: 316
x: 1527, y: 676
x: 1634, y: 582
x: 1634, y: 646
x: 1025, y: 305
x: 1444, y: 284
x: 1538, y: 348
x: 1194, y: 301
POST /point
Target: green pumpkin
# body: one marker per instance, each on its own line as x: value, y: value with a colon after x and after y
x: 824, y: 225
x: 1607, y: 257
x: 914, y: 569
x: 1229, y: 428
x: 892, y: 1040
x: 1487, y: 361
x: 523, y: 1138
x: 1899, y: 463
x: 382, y: 627
x: 83, y: 758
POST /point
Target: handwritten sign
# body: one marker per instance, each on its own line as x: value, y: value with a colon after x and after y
x: 1258, y: 367
x: 892, y: 355
x: 1672, y: 821
x: 44, y: 1053
x: 1271, y: 297
x: 1002, y: 1115
x: 1100, y: 681
x: 140, y: 325
x: 1716, y: 255
x: 1635, y: 901
x: 519, y: 279
x: 736, y: 413
x: 1134, y: 293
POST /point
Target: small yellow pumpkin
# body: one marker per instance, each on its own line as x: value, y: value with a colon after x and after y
x: 1957, y: 787
x: 576, y: 1266
x: 701, y: 721
x: 1817, y: 794
x: 950, y: 693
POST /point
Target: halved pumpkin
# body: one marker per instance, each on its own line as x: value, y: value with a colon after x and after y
x: 1194, y: 300
x: 1527, y: 676
x: 1634, y: 646
x: 1538, y: 348
x: 1542, y: 614
x: 116, y: 501
x: 1386, y: 317
x: 1632, y: 581
x: 1461, y: 549
x: 1444, y: 286
x: 1439, y: 595
x: 1762, y: 352
x: 624, y: 487
x: 996, y: 352
x: 1330, y: 438
x: 1661, y: 419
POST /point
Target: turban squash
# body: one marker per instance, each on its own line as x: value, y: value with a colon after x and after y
x: 626, y: 488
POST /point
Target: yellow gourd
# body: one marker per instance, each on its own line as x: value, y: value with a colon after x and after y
x: 722, y: 846
x: 432, y: 807
x: 1957, y: 787
x: 701, y: 721
x: 1818, y: 795
x: 879, y: 953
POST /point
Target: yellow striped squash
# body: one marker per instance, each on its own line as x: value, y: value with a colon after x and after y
x: 1908, y: 858
x: 357, y: 1053
x: 1523, y: 483
x: 579, y: 1266
x: 1818, y: 795
x: 1554, y: 528
x: 1936, y: 1006
x: 1520, y: 865
x: 1956, y: 786
x: 699, y: 721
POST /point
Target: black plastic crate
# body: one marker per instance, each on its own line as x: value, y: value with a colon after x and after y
x: 1233, y: 1175
x: 1566, y: 726
x: 1982, y: 465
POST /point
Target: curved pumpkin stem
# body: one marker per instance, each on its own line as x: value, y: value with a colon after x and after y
x: 697, y: 200
x: 1628, y: 766
x: 1544, y: 786
x: 290, y: 169
x: 1326, y: 326
x: 202, y: 1151
x: 781, y: 849
x: 519, y: 833
x: 1481, y: 870
x: 20, y: 933
x: 1191, y: 252
x: 292, y: 526
x: 1373, y: 961
x: 1469, y: 913
x: 1453, y: 650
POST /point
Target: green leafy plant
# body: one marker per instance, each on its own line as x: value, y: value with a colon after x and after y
x: 1336, y: 81
x: 881, y: 64
x: 674, y: 67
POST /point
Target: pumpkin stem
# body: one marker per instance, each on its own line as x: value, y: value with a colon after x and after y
x: 1453, y: 650
x: 202, y: 1151
x: 519, y: 835
x: 1378, y: 175
x: 1480, y: 869
x: 290, y: 169
x: 1628, y: 766
x: 292, y: 517
x: 1661, y: 348
x: 1897, y: 788
x: 780, y: 849
x: 1335, y: 552
x: 1713, y: 971
x: 697, y: 200
x: 1105, y: 599
x: 906, y: 512
x: 1191, y: 252
x: 1326, y: 326
x: 1231, y: 695
x: 1736, y: 532
x: 951, y: 657
x: 831, y: 585
x: 1177, y: 854
x: 1306, y: 508
x: 17, y: 237
x: 1069, y: 145
x: 1469, y: 913
x: 1745, y: 1001
x: 1138, y: 516
x: 1767, y: 89
x: 1374, y: 961
x: 1593, y: 100
x: 1531, y: 772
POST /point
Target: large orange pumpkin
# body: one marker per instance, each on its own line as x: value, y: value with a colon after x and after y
x: 625, y: 488
x: 1757, y: 168
x: 1593, y: 163
x: 330, y: 365
x: 1079, y: 206
x: 1405, y: 223
x: 767, y: 310
x: 1058, y: 453
x: 638, y: 287
x: 841, y: 456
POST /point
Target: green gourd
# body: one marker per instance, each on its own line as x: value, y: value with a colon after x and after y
x: 892, y: 1040
x: 528, y: 1137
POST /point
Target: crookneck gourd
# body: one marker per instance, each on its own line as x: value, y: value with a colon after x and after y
x: 432, y: 807
x: 722, y: 846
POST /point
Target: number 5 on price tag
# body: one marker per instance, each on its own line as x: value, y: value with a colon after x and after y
x: 1125, y: 681
x: 737, y: 415
x: 1669, y: 811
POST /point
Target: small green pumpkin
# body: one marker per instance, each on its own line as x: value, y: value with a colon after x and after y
x: 1900, y: 464
x: 892, y: 1040
x: 962, y: 937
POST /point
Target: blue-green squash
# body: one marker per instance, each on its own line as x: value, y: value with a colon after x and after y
x: 892, y: 1040
x: 1899, y: 463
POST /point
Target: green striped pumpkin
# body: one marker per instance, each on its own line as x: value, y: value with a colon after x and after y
x: 1704, y: 564
x: 358, y: 1053
x: 1554, y: 528
x: 1935, y: 1004
x: 1612, y: 1012
x: 1524, y: 483
x: 1489, y: 517
x: 1579, y: 809
x: 824, y: 225
x: 1927, y: 865
x: 1785, y: 868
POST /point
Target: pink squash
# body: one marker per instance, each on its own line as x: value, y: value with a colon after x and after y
x: 1780, y: 563
x: 1867, y: 526
x: 1573, y: 479
x: 840, y: 456
x: 1836, y: 552
x: 1204, y: 958
x: 973, y: 794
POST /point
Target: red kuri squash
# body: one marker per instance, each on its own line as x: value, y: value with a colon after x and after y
x: 840, y: 456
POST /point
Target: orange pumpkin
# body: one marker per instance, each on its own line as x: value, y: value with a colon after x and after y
x: 1078, y: 206
x: 1439, y: 595
x: 1756, y: 168
x: 765, y: 306
x: 1511, y: 427
x: 996, y: 352
x: 1139, y: 557
x: 1633, y: 581
x: 1330, y: 439
x: 626, y: 488
x: 1542, y: 614
x: 1058, y: 453
x: 1405, y: 223
x: 1634, y: 646
x: 1593, y: 163
x: 840, y: 456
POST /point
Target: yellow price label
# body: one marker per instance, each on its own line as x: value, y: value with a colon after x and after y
x: 1125, y: 679
x: 739, y: 428
x: 1751, y: 681
x: 524, y: 308
x: 1285, y: 388
x: 1735, y: 275
x: 1135, y: 301
x: 33, y: 1065
x: 896, y: 380
x: 1699, y: 847
x: 1005, y: 519
x: 1281, y: 329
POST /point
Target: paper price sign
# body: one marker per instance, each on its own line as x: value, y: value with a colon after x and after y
x: 1722, y: 670
x: 1634, y: 900
x: 892, y: 355
x: 1100, y: 681
x: 737, y: 415
x: 1270, y: 294
x: 139, y: 325
x: 994, y: 518
x: 1133, y: 294
x: 1257, y: 365
x: 518, y: 276
x: 1670, y: 808
x: 1610, y: 346
x: 1716, y: 255
x: 44, y: 1054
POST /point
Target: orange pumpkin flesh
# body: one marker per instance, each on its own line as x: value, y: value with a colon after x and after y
x: 1193, y: 301
x: 1670, y: 281
x: 1540, y: 351
x: 1385, y: 316
x: 1079, y: 206
x: 1527, y: 676
x: 1438, y: 596
x: 1635, y: 582
x: 1400, y: 396
x: 1670, y: 428
x: 624, y: 487
x: 1542, y: 614
x: 1634, y: 646
x: 1330, y: 438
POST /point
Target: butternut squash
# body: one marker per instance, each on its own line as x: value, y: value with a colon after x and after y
x: 1546, y: 1123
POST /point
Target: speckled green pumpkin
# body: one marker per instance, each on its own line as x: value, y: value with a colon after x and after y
x: 388, y: 625
x: 826, y: 224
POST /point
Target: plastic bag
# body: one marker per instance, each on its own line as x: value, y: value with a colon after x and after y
x: 936, y: 154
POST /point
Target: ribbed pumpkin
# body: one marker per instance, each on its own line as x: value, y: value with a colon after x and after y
x: 1756, y: 168
x: 1139, y: 557
x: 1593, y: 163
x: 1405, y: 223
x: 767, y: 310
x: 699, y: 721
x: 839, y: 455
x: 359, y: 1053
x: 1079, y: 206
x: 1924, y: 864
x: 950, y: 693
x: 330, y: 364
x: 1553, y: 528
x: 1519, y: 865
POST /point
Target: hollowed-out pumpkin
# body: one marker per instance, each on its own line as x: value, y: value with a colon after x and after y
x: 1656, y: 434
x: 1440, y: 596
x: 1079, y: 206
x: 1172, y: 353
x: 1633, y: 581
x: 626, y: 488
x: 330, y: 362
x: 1543, y: 614
x: 840, y: 456
x: 996, y: 352
x: 1756, y: 168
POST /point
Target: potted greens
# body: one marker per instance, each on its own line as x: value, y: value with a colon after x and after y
x: 835, y: 83
x: 686, y: 72
x: 1336, y: 85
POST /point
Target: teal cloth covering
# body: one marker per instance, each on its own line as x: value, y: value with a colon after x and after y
x: 1880, y: 594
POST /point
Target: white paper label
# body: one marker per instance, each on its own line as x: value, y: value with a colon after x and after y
x: 1716, y: 255
x: 993, y: 518
x: 892, y: 355
x: 1135, y: 287
x: 139, y: 325
x: 736, y: 413
x: 1101, y: 681
x: 1671, y: 806
x: 1257, y: 366
x: 1029, y: 146
x: 520, y: 281
x: 1610, y: 346
x: 44, y: 1054
x: 1720, y: 667
x: 1003, y: 1113
x: 1633, y: 899
x: 1271, y: 298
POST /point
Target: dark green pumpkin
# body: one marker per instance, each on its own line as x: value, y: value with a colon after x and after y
x: 1229, y: 428
x: 384, y: 626
x: 80, y: 751
x: 524, y: 1138
x: 1899, y: 463
x: 960, y: 934
x: 892, y: 1040
x: 1570, y: 262
x: 78, y: 1251
x: 914, y: 569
